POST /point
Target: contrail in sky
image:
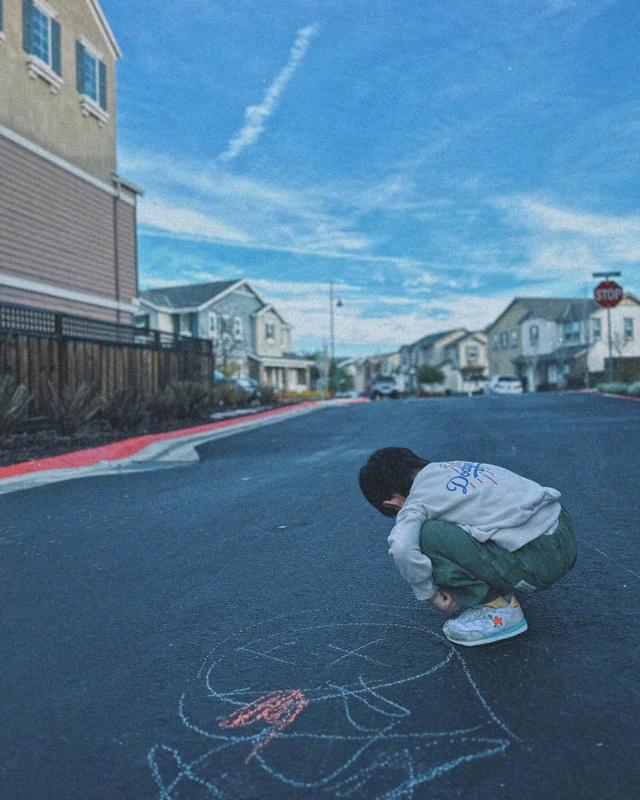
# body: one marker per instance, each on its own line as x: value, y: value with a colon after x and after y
x: 255, y: 117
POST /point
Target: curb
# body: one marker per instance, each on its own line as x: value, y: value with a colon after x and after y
x: 168, y: 448
x: 615, y: 396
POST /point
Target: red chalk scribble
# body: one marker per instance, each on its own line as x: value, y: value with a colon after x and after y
x: 278, y: 709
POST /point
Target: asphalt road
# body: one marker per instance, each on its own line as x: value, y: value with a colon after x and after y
x: 153, y: 624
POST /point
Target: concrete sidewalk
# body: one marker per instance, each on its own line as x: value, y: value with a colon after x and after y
x: 140, y: 452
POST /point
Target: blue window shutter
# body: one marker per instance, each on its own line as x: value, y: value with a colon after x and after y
x: 80, y: 67
x: 102, y: 69
x: 0, y: 15
x: 27, y: 25
x: 55, y: 47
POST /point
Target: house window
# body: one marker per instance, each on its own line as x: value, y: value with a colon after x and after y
x: 270, y: 331
x: 514, y: 337
x: 628, y: 328
x: 504, y: 340
x: 213, y: 325
x: 472, y: 352
x: 185, y: 324
x: 302, y: 376
x: 237, y: 327
x: 41, y: 39
x: 141, y: 321
x: 1, y: 23
x: 534, y: 334
x: 571, y: 331
x: 597, y: 328
x: 91, y: 80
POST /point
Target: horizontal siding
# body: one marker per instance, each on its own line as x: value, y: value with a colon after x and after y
x: 57, y: 228
x: 9, y: 295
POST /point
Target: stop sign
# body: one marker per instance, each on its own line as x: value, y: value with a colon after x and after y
x: 607, y: 294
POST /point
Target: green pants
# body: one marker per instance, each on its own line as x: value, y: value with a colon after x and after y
x: 477, y: 572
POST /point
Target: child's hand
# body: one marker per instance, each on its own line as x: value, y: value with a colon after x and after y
x: 444, y: 601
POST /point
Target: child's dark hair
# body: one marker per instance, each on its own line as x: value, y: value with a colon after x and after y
x: 389, y: 471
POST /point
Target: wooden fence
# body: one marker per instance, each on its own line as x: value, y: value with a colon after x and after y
x: 38, y: 347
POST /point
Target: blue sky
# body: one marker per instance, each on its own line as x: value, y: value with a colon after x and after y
x: 432, y: 158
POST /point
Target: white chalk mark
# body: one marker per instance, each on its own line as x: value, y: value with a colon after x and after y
x: 613, y: 560
x: 394, y: 753
x: 357, y: 652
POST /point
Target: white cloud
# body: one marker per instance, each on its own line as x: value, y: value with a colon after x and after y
x: 180, y: 221
x: 565, y: 245
x: 255, y: 117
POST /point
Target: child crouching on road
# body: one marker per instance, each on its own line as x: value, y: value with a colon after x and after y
x: 468, y: 535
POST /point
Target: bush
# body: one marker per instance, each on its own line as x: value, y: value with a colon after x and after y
x: 299, y: 397
x: 428, y: 374
x: 161, y: 406
x: 14, y: 403
x: 191, y: 400
x: 73, y: 410
x: 230, y: 396
x: 634, y: 389
x: 126, y: 410
x: 613, y: 388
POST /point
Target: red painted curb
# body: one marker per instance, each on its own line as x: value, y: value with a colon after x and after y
x: 617, y: 396
x: 129, y: 447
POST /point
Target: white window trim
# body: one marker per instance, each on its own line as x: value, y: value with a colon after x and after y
x: 36, y: 66
x: 40, y: 69
x: 46, y: 8
x: 91, y: 108
x: 238, y: 328
x: 93, y: 50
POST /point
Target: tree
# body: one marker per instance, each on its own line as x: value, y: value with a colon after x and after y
x: 428, y: 374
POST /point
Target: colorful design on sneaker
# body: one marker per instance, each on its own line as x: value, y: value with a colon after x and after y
x: 485, y: 624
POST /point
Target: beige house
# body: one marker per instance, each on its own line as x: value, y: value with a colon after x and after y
x: 67, y: 220
x: 465, y: 365
x: 427, y: 351
x: 250, y: 337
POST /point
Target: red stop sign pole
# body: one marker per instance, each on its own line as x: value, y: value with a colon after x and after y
x: 608, y: 294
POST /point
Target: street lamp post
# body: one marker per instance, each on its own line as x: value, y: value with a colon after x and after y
x: 332, y: 339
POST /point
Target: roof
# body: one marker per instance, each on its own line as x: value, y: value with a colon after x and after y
x: 187, y: 296
x: 552, y: 308
x: 273, y: 310
x: 104, y: 26
x: 432, y: 338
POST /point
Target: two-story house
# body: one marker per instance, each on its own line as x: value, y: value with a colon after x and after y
x: 67, y: 219
x: 250, y: 337
x: 427, y: 351
x: 566, y: 344
x: 465, y: 365
x: 506, y: 335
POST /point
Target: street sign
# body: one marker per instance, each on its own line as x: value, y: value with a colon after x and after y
x: 607, y: 294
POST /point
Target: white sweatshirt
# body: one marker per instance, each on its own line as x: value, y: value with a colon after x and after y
x: 487, y: 502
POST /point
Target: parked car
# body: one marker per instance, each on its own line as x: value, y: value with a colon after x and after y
x: 383, y: 386
x: 504, y: 384
x: 249, y: 386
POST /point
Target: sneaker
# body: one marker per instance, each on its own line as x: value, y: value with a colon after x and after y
x: 486, y: 624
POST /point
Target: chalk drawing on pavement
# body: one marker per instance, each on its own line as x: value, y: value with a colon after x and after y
x: 374, y: 706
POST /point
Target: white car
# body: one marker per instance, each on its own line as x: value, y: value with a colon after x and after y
x: 504, y: 384
x: 383, y: 386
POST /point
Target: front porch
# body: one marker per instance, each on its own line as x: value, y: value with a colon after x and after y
x: 284, y: 374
